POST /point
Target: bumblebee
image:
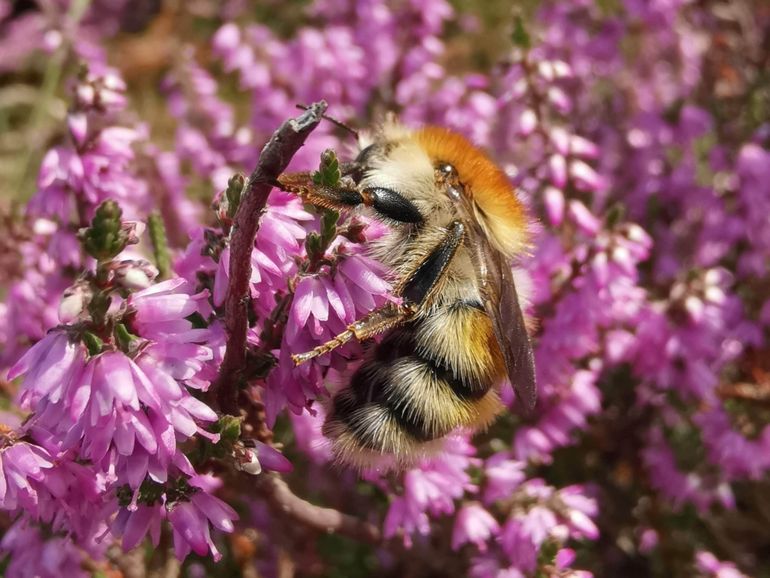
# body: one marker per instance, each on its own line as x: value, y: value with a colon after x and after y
x: 458, y: 331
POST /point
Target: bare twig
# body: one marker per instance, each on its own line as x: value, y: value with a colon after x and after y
x: 757, y: 392
x: 276, y: 155
x: 273, y: 160
x: 328, y: 520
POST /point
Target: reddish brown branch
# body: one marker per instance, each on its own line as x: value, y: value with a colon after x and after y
x: 284, y: 502
x: 758, y: 392
x: 273, y: 160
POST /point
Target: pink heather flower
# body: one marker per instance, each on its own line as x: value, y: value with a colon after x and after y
x: 586, y: 178
x: 583, y: 218
x: 160, y: 311
x: 133, y: 409
x: 195, y: 258
x: 736, y: 455
x: 580, y: 509
x: 21, y: 465
x: 518, y: 545
x: 681, y: 487
x: 35, y: 555
x: 49, y: 367
x: 489, y: 566
x: 538, y: 523
x: 128, y: 412
x: 527, y: 123
x: 502, y: 477
x: 431, y: 489
x: 556, y: 424
x: 124, y: 413
x: 292, y: 387
x: 564, y: 558
x: 104, y: 89
x: 51, y: 489
x: 323, y: 306
x: 31, y: 304
x: 136, y: 522
x: 258, y: 456
x: 279, y: 239
x: 648, y: 540
x: 405, y: 516
x: 190, y: 520
x: 98, y: 167
x: 558, y: 167
x: 553, y: 199
x: 307, y: 432
x: 475, y: 525
x: 191, y: 531
x: 710, y: 566
x: 72, y: 498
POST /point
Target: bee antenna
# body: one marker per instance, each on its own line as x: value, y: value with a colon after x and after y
x: 333, y: 120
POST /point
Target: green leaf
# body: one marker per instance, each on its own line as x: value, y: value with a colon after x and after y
x: 105, y: 238
x: 229, y: 429
x: 157, y: 230
x: 313, y: 246
x: 328, y: 173
x: 235, y: 187
x: 329, y: 226
x: 615, y: 215
x: 93, y: 343
x: 124, y: 338
x: 520, y: 37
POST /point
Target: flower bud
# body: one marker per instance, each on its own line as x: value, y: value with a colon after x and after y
x: 134, y: 275
x: 73, y: 302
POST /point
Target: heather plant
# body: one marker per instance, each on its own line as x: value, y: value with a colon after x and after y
x: 156, y: 285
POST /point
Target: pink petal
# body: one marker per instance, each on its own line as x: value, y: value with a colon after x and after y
x: 357, y: 270
x: 219, y: 513
x: 137, y: 526
x: 272, y: 459
x: 319, y: 304
x: 303, y: 301
x: 118, y: 379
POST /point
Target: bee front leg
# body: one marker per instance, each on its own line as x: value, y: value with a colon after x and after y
x: 387, y: 202
x: 417, y: 288
x: 375, y: 322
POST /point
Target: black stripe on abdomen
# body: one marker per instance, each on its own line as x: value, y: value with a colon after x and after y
x: 375, y: 390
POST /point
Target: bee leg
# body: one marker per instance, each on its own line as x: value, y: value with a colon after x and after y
x: 368, y: 326
x: 416, y: 289
x: 336, y: 198
x: 386, y: 202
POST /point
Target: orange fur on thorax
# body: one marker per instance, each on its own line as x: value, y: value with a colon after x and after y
x: 485, y: 183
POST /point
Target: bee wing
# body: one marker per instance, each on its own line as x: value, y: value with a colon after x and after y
x: 501, y: 303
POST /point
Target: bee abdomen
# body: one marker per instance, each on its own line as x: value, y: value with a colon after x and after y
x: 407, y: 394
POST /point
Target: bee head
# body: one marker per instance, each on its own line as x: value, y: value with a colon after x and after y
x: 444, y: 175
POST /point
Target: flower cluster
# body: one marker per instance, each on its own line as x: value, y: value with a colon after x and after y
x: 636, y: 135
x: 111, y: 396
